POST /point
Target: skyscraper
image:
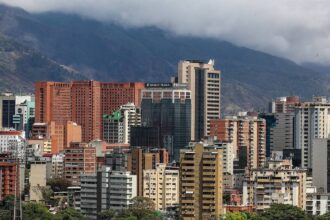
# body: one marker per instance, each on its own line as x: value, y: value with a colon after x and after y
x: 169, y: 109
x: 201, y: 182
x: 205, y: 85
x: 8, y: 102
x: 312, y: 121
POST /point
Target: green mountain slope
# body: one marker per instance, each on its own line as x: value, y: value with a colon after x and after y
x: 20, y: 67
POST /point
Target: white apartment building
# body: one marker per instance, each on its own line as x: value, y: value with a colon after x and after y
x: 278, y: 182
x: 123, y: 188
x: 312, y: 121
x: 161, y: 185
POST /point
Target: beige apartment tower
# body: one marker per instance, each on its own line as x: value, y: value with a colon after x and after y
x: 161, y: 185
x: 201, y: 183
x: 205, y: 85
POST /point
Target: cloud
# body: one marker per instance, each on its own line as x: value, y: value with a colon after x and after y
x: 295, y: 29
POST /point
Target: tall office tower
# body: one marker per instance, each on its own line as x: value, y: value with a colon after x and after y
x: 144, y: 159
x: 83, y: 102
x: 279, y: 132
x: 168, y: 108
x: 312, y: 120
x: 284, y: 104
x: 321, y: 164
x: 278, y: 182
x: 205, y: 85
x: 8, y: 102
x: 201, y: 182
x: 113, y: 95
x: 86, y: 108
x: 246, y: 133
x: 161, y: 185
x: 80, y: 158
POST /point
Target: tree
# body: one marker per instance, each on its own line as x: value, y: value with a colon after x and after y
x: 142, y: 207
x: 236, y: 216
x: 107, y: 214
x: 281, y: 212
x: 69, y: 214
x: 36, y: 211
x: 6, y: 207
x: 325, y: 216
x: 58, y: 184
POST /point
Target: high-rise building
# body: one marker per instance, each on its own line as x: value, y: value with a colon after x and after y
x: 246, y: 134
x: 277, y: 182
x: 145, y: 159
x: 161, y: 185
x: 312, y: 121
x: 279, y: 132
x: 24, y: 112
x: 8, y: 102
x: 83, y: 102
x: 123, y: 188
x: 201, y: 183
x: 168, y: 108
x: 205, y: 85
x: 80, y: 158
x: 284, y: 104
x: 113, y: 128
x: 321, y: 164
x: 106, y: 189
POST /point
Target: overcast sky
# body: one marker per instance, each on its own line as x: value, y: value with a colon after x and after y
x: 296, y: 29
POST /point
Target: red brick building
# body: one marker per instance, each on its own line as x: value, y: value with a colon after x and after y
x: 80, y: 158
x: 83, y: 102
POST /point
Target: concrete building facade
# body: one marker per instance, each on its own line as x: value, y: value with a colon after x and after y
x: 278, y: 182
x: 246, y: 133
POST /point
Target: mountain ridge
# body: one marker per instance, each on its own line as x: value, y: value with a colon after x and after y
x: 109, y: 52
